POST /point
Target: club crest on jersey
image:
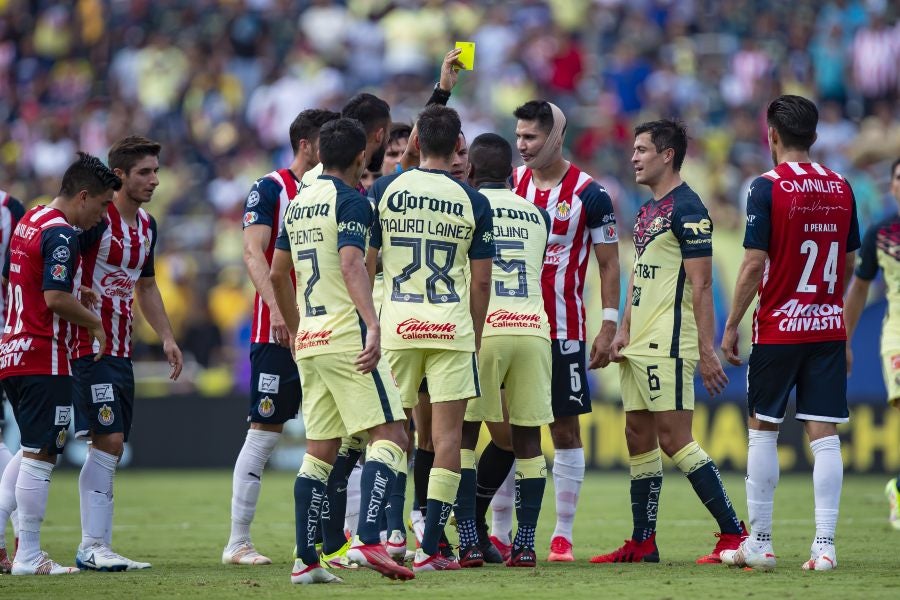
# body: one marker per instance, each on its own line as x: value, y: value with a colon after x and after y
x: 250, y: 218
x: 266, y: 407
x: 147, y: 244
x: 105, y: 415
x: 563, y: 210
x: 253, y: 199
x: 61, y: 438
x: 61, y: 254
x: 58, y: 272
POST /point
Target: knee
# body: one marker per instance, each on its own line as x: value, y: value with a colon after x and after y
x: 671, y: 442
x: 566, y: 434
x: 111, y: 444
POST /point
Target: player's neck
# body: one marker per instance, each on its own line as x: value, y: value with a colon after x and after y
x: 795, y: 156
x: 436, y: 163
x: 127, y: 208
x: 299, y: 167
x: 549, y: 177
x: 346, y: 177
x: 666, y: 184
x: 65, y: 207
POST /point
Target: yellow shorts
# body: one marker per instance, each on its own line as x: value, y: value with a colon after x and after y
x: 339, y: 401
x: 890, y: 365
x: 657, y: 383
x: 522, y: 364
x: 452, y: 374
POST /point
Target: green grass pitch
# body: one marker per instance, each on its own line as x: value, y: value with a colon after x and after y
x: 179, y: 522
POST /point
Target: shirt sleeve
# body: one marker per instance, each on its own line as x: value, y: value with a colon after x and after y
x: 759, y: 214
x: 261, y: 203
x: 354, y: 218
x: 867, y: 265
x: 853, y: 242
x: 283, y: 241
x: 693, y: 228
x: 59, y: 248
x: 16, y: 210
x: 483, y: 236
x: 601, y: 217
x: 90, y: 237
x: 149, y: 269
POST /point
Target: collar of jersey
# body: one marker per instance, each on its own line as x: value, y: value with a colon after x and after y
x: 439, y: 171
x: 331, y: 178
x: 492, y: 186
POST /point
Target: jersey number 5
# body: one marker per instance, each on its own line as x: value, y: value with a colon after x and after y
x: 511, y: 266
x: 811, y: 250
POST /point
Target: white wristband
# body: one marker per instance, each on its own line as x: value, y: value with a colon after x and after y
x: 611, y: 314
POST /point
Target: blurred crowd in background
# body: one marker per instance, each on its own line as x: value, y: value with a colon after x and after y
x: 218, y: 82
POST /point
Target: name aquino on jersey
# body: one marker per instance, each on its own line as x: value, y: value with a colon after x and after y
x: 512, y: 231
x: 796, y: 316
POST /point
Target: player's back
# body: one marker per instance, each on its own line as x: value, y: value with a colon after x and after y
x: 11, y: 210
x: 428, y: 227
x: 812, y: 225
x: 520, y: 239
x: 34, y: 338
x: 666, y: 232
x: 325, y: 216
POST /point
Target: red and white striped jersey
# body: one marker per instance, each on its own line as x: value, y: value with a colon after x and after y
x: 11, y: 210
x: 582, y: 215
x: 43, y: 256
x: 265, y: 205
x: 114, y: 255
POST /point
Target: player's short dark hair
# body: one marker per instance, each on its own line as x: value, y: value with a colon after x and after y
x: 307, y: 124
x: 439, y: 128
x: 368, y: 109
x: 491, y: 156
x: 894, y: 166
x: 795, y: 119
x: 536, y: 110
x: 667, y: 133
x: 88, y: 173
x: 340, y: 142
x: 125, y: 153
x: 399, y: 131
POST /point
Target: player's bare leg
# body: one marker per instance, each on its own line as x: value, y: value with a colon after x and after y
x: 246, y: 484
x: 568, y: 475
x: 95, y: 486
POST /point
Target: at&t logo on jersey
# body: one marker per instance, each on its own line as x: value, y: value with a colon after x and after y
x: 414, y: 329
x: 117, y: 284
x: 796, y: 316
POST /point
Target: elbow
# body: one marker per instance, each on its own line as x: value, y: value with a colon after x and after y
x: 483, y: 286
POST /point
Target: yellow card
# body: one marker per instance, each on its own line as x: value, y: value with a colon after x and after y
x: 467, y: 56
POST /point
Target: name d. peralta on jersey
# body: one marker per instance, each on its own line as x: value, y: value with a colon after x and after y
x: 43, y: 256
x: 581, y: 215
x: 114, y: 255
x: 804, y: 216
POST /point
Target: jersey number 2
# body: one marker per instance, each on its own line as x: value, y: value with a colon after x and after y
x: 313, y: 258
x: 811, y: 249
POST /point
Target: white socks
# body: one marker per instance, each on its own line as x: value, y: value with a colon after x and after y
x: 828, y: 477
x: 568, y: 474
x: 247, y: 479
x: 502, y: 509
x: 32, y: 489
x: 8, y: 495
x: 351, y: 517
x: 95, y: 488
x: 762, y: 478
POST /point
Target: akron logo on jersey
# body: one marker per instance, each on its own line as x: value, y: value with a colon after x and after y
x: 563, y: 211
x: 266, y: 407
x: 105, y: 415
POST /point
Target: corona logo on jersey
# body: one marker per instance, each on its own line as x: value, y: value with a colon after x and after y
x: 312, y: 339
x: 507, y: 318
x: 117, y: 285
x: 401, y: 201
x: 563, y: 210
x: 414, y: 329
x: 809, y: 317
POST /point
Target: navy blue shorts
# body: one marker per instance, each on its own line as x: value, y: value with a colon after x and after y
x: 274, y: 385
x: 42, y: 407
x: 104, y: 395
x: 569, y: 388
x: 818, y: 371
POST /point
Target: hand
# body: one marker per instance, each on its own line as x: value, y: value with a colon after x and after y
x: 88, y: 297
x: 280, y: 332
x: 173, y: 354
x: 450, y: 70
x: 619, y: 343
x: 849, y: 360
x: 600, y: 350
x: 96, y: 332
x: 369, y: 357
x: 714, y: 378
x: 730, y: 345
